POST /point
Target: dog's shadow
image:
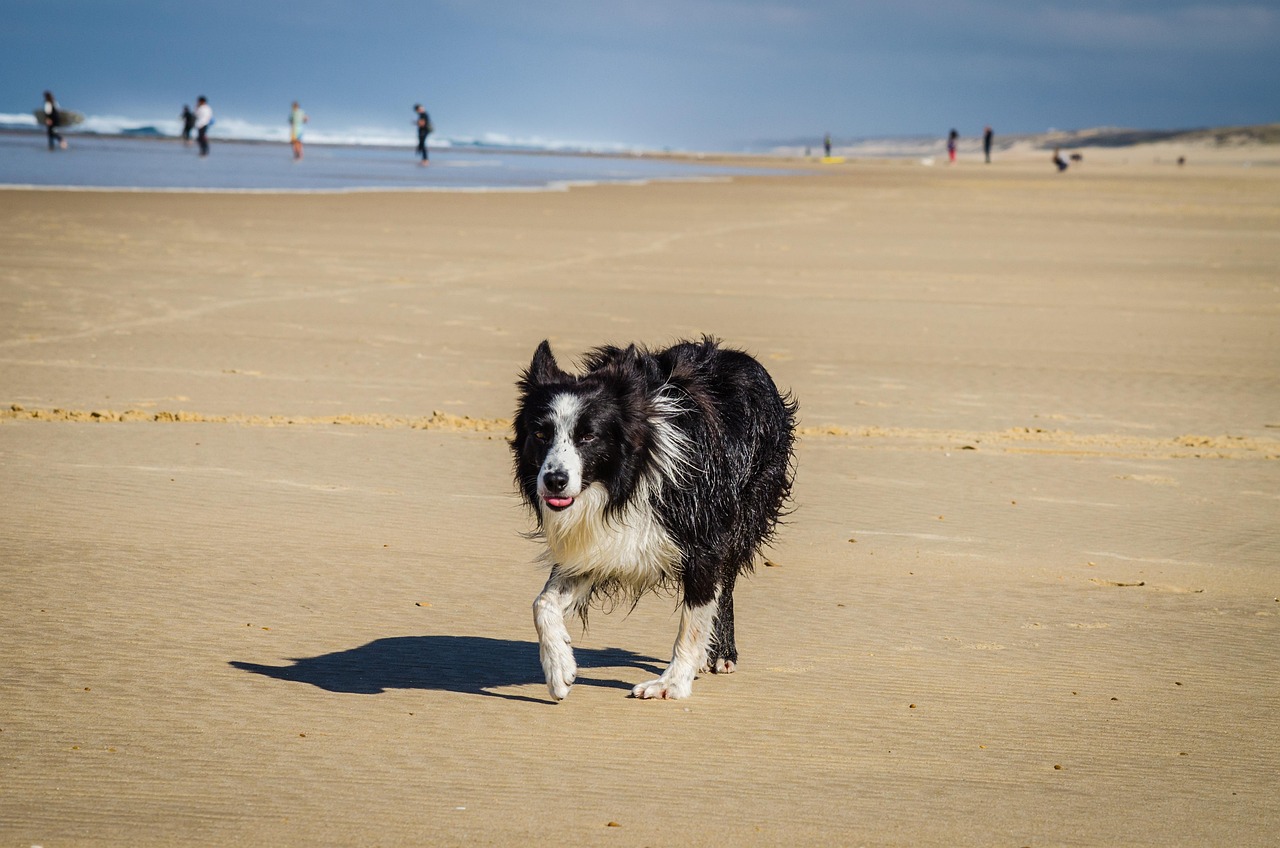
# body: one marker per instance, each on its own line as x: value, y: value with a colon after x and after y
x: 472, y: 665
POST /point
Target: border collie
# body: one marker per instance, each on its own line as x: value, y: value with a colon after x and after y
x: 651, y: 470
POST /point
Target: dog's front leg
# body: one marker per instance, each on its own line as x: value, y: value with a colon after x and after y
x: 689, y: 655
x: 549, y: 608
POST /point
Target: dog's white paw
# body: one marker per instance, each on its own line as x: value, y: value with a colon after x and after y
x: 663, y: 688
x: 559, y: 667
x: 560, y: 684
x: 724, y: 666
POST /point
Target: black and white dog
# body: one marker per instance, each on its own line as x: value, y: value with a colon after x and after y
x: 663, y: 469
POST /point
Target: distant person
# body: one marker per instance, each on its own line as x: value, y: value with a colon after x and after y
x: 423, y: 121
x: 952, y: 140
x: 297, y: 118
x: 188, y: 123
x: 204, y: 120
x: 1058, y: 160
x: 52, y: 118
x: 826, y: 145
x: 987, y: 136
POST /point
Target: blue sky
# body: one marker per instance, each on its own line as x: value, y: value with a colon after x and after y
x: 705, y: 74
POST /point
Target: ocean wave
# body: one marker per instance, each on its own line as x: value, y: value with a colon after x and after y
x: 237, y: 129
x: 23, y: 121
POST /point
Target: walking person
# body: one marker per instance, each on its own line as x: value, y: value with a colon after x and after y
x: 204, y: 120
x: 188, y: 123
x: 952, y: 141
x: 987, y: 136
x: 297, y: 118
x: 424, y: 129
x: 52, y: 118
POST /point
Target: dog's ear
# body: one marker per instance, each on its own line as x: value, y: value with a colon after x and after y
x: 627, y: 369
x: 544, y: 369
x: 630, y: 385
x: 646, y: 366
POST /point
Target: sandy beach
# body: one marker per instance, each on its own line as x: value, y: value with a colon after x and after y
x: 264, y: 575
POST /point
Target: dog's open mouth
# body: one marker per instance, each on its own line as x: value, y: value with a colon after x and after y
x: 557, y: 503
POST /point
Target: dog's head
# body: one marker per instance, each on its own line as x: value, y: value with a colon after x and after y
x: 574, y: 433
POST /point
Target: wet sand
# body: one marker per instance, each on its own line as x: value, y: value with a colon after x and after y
x: 264, y: 578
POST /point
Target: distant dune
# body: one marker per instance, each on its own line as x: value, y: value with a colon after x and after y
x: 1116, y: 137
x: 1259, y: 143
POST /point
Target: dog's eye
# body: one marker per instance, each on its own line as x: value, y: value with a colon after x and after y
x: 586, y: 438
x: 541, y: 435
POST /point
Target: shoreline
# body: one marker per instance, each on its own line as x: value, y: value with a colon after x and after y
x: 97, y: 163
x: 553, y: 187
x: 1111, y: 162
x: 1257, y: 144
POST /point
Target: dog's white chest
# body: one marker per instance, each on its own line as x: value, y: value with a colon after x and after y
x: 633, y: 548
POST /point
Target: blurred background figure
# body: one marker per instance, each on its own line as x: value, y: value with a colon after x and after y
x: 52, y: 118
x: 297, y: 118
x: 188, y: 123
x: 204, y: 120
x: 423, y: 121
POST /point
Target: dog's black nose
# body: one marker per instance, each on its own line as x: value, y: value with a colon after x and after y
x: 555, y: 481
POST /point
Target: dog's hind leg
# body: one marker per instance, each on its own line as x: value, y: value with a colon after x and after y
x: 556, y: 599
x: 689, y: 655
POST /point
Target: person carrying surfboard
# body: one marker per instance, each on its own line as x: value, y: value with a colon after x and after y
x: 52, y: 118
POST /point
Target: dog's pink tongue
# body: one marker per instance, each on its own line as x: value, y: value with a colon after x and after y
x: 559, y: 503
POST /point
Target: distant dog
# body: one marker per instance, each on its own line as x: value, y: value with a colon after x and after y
x: 651, y: 469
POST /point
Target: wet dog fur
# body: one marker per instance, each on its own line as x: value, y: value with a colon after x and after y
x: 647, y: 470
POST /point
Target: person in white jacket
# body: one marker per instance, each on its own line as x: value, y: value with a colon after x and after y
x: 204, y: 120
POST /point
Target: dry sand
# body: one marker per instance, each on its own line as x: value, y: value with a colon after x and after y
x: 263, y: 574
